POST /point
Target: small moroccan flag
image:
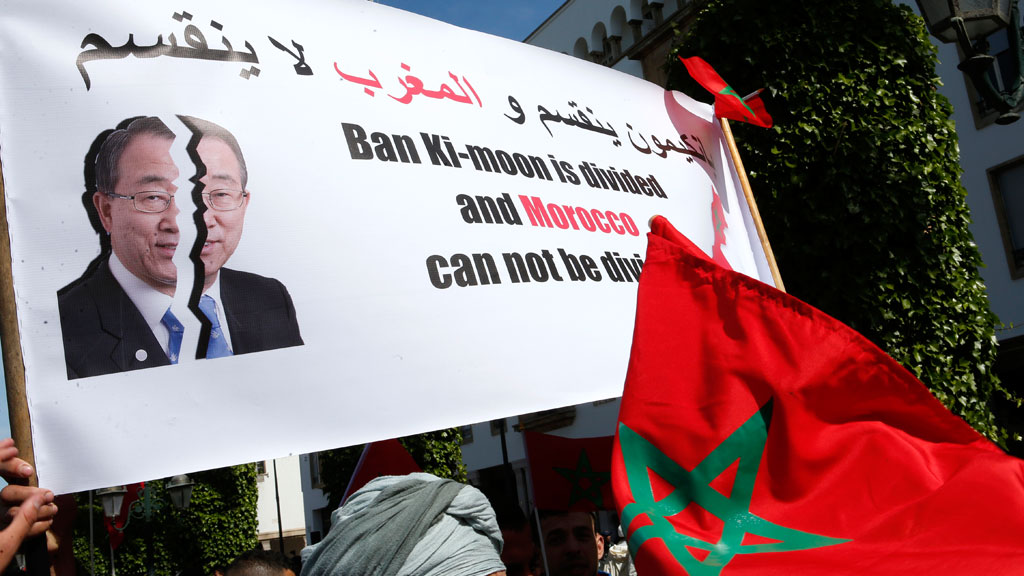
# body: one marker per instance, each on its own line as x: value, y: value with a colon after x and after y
x: 758, y: 436
x: 728, y: 104
x: 383, y: 458
x: 570, y: 473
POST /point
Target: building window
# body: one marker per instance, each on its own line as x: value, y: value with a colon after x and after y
x: 467, y: 434
x: 314, y: 470
x: 547, y: 420
x: 498, y: 426
x: 261, y: 467
x: 1007, y: 182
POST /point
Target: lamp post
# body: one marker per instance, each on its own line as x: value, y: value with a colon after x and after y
x: 969, y: 23
x: 179, y: 490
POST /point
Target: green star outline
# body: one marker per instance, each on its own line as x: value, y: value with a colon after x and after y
x: 745, y: 444
x: 728, y: 91
x: 582, y: 471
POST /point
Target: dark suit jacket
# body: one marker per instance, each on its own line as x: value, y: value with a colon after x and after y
x: 104, y: 332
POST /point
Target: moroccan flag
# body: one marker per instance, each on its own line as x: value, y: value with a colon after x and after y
x: 759, y: 436
x: 728, y: 104
x: 384, y: 458
x: 115, y: 526
x: 570, y: 473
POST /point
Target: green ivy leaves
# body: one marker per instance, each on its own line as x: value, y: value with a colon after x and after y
x: 858, y: 182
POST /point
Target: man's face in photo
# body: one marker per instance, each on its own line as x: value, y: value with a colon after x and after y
x: 144, y: 242
x: 223, y: 227
x: 571, y: 544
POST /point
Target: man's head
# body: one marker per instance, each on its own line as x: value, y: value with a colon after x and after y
x: 134, y: 170
x: 413, y: 524
x: 135, y: 197
x: 519, y: 554
x: 570, y: 543
x: 259, y: 563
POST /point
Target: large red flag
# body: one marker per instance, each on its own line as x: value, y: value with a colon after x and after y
x: 759, y: 436
x: 383, y: 458
x: 728, y: 104
x: 570, y: 473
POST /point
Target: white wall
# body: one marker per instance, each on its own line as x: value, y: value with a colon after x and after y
x: 313, y: 499
x: 576, y: 19
x: 979, y: 151
x: 289, y: 486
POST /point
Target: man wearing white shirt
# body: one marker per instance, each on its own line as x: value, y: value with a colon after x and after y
x: 119, y: 317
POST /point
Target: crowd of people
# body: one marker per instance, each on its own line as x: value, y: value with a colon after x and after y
x: 413, y: 525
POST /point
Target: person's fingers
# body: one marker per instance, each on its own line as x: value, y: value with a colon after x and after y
x: 7, y: 453
x: 13, y: 468
x: 22, y: 523
x: 14, y: 496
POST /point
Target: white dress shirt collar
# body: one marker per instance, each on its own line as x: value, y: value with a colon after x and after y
x: 153, y: 304
x: 149, y: 301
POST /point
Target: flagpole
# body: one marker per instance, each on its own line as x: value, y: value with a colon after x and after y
x: 533, y: 503
x: 754, y: 214
x: 540, y: 538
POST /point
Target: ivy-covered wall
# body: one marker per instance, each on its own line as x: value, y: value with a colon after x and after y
x: 219, y: 524
x: 858, y: 182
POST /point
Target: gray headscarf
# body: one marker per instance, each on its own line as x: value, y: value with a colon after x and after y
x: 415, y: 525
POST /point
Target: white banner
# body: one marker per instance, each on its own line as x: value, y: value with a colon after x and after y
x: 440, y: 227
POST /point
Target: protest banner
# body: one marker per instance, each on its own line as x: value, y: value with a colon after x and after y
x: 440, y: 226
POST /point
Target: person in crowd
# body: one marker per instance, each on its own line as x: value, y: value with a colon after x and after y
x: 258, y: 562
x: 27, y: 510
x: 413, y: 525
x: 571, y: 543
x: 616, y: 561
x: 520, y: 553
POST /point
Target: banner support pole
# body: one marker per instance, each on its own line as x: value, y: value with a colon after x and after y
x: 14, y: 377
x: 10, y: 338
x: 754, y: 213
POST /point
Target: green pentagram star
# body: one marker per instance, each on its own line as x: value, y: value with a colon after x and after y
x: 728, y: 91
x: 585, y: 483
x: 746, y: 444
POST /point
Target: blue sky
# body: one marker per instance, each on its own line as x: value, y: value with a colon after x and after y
x: 514, y: 20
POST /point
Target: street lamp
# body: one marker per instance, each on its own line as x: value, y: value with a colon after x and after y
x: 969, y: 23
x: 179, y: 490
x: 112, y: 498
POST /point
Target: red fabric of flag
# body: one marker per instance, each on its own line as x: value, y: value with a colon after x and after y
x: 384, y: 458
x: 728, y: 104
x: 570, y: 473
x: 758, y: 435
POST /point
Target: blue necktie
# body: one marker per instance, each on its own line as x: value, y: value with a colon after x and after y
x: 176, y: 330
x: 218, y: 346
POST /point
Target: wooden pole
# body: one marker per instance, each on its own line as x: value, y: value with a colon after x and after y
x: 37, y: 557
x: 749, y: 195
x: 10, y: 338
